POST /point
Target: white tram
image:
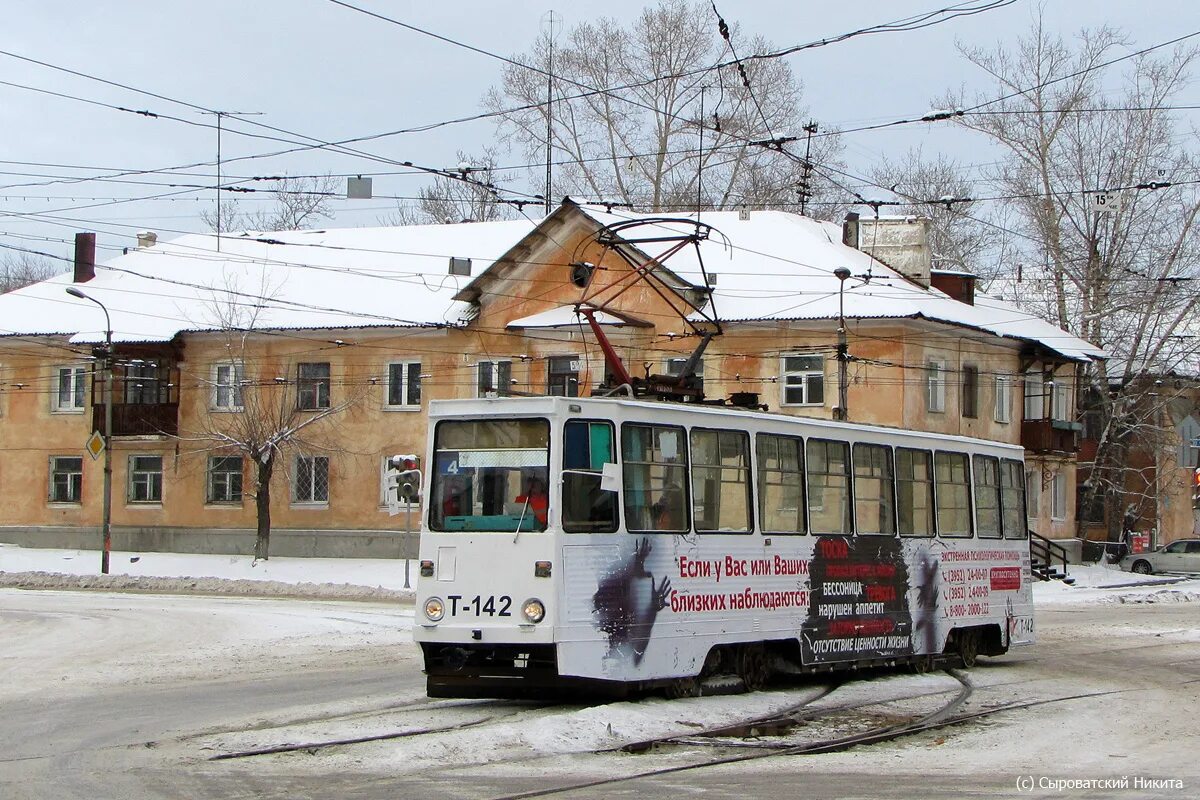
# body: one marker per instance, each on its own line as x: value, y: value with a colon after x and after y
x: 622, y: 544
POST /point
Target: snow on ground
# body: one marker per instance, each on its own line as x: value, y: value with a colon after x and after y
x: 334, y: 578
x: 1106, y: 583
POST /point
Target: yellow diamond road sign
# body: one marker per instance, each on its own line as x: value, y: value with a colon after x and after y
x: 95, y: 445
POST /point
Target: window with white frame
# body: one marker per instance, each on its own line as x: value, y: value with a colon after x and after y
x: 1058, y: 509
x: 1035, y: 399
x: 310, y: 479
x: 803, y: 380
x: 493, y: 378
x: 224, y: 479
x: 935, y: 385
x: 66, y: 479
x: 1033, y: 493
x: 674, y: 366
x: 1060, y: 400
x: 227, y: 380
x: 67, y: 391
x: 1003, y: 408
x: 145, y: 479
x: 403, y: 385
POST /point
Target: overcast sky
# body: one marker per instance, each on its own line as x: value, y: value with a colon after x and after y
x: 315, y: 68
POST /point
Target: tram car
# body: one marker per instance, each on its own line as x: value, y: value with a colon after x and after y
x: 626, y: 545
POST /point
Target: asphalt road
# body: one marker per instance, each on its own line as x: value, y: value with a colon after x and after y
x: 119, y: 696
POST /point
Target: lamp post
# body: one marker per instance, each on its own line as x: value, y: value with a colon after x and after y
x: 106, y: 524
x: 843, y: 356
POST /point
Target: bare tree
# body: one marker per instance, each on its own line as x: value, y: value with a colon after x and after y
x: 467, y: 197
x: 262, y: 412
x: 21, y: 269
x: 1123, y: 278
x: 646, y: 144
x: 936, y: 188
x: 298, y: 203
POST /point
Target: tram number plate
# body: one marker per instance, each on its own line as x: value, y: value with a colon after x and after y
x: 480, y: 606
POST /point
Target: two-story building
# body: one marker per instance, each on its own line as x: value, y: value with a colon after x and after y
x: 347, y: 334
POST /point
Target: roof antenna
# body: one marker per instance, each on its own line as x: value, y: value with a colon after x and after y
x: 549, y: 108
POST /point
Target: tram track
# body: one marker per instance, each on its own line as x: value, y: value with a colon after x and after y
x: 941, y: 717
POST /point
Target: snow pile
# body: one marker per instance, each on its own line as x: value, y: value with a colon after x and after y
x: 325, y: 578
x: 1099, y: 583
x: 1160, y: 596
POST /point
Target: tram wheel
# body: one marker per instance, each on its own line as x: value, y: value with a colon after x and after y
x: 922, y: 665
x: 967, y: 643
x: 683, y: 687
x: 752, y: 666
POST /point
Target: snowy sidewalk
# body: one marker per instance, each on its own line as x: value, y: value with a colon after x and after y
x: 324, y: 578
x: 383, y: 579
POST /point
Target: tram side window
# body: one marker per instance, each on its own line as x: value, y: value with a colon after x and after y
x: 987, y: 496
x: 587, y: 447
x: 874, y: 490
x: 655, y: 464
x: 1012, y: 500
x: 914, y: 492
x: 721, y: 481
x: 953, y: 493
x: 490, y: 475
x: 780, y: 483
x: 829, y: 486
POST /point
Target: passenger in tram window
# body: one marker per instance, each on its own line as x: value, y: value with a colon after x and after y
x: 535, y: 496
x: 668, y: 511
x: 455, y: 501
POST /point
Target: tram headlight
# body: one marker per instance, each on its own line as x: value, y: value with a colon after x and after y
x: 533, y: 610
x: 435, y: 609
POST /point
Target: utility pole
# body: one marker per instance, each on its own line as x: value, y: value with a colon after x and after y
x: 549, y: 111
x: 221, y: 115
x: 843, y: 355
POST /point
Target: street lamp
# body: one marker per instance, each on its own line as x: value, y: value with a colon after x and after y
x: 843, y: 356
x: 106, y: 525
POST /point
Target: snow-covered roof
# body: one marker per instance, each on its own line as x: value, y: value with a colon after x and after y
x: 775, y: 265
x: 770, y: 266
x: 564, y: 316
x: 337, y: 278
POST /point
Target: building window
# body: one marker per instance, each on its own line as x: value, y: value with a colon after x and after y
x: 562, y: 376
x: 310, y: 480
x: 970, y: 391
x: 1189, y: 442
x: 1058, y: 509
x: 145, y: 479
x: 227, y: 386
x: 225, y: 479
x: 1003, y: 410
x: 675, y: 365
x: 404, y: 384
x: 935, y: 385
x: 1060, y: 400
x: 312, y: 385
x: 67, y: 393
x: 803, y: 381
x: 66, y: 479
x: 145, y: 383
x: 1033, y: 493
x: 1035, y: 400
x: 493, y: 378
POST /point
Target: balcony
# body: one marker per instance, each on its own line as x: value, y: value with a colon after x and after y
x: 1050, y: 436
x: 139, y: 419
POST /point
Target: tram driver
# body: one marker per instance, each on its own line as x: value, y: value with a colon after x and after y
x: 536, y: 499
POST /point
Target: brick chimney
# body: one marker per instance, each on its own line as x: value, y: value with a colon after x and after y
x: 85, y: 257
x: 900, y: 242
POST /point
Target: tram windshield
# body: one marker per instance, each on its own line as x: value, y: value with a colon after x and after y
x: 490, y: 475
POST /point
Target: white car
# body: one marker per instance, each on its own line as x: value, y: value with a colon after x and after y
x: 1182, y: 556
